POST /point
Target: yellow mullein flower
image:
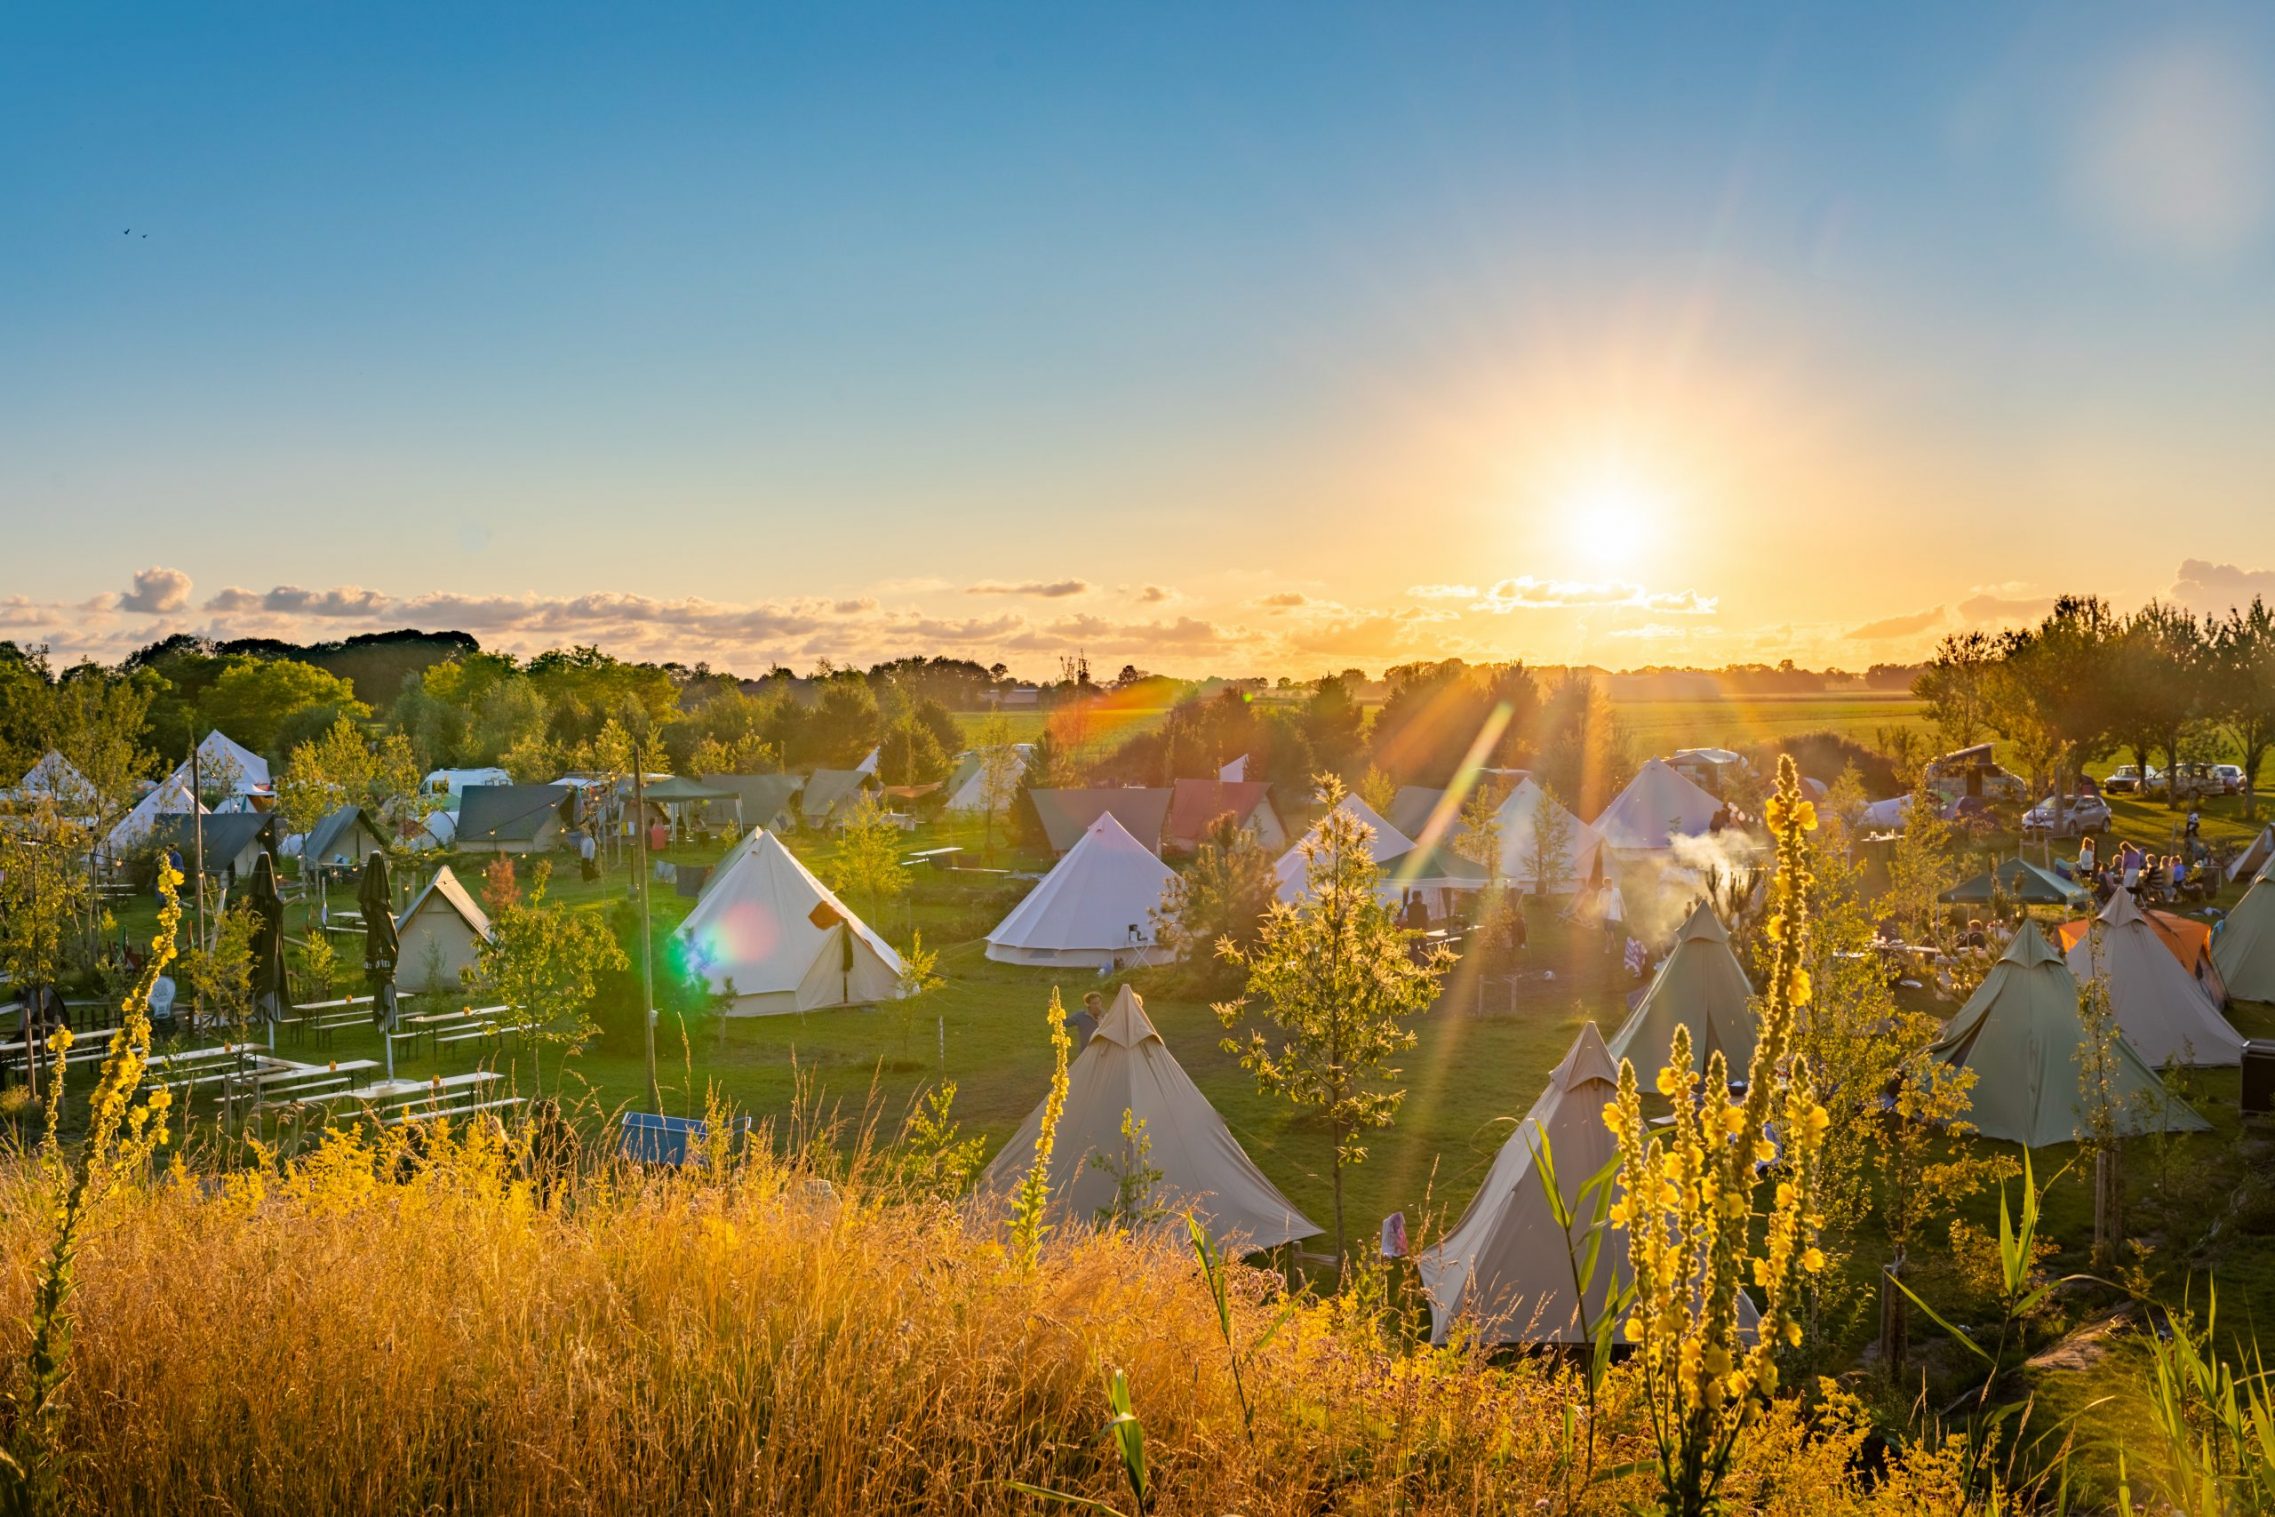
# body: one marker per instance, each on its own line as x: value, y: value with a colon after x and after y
x: 1813, y: 1259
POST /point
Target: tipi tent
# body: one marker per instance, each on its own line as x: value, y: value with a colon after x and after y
x: 1507, y: 1263
x: 2245, y: 948
x: 56, y: 779
x: 2188, y: 940
x: 439, y: 934
x: 1126, y: 1068
x: 1700, y: 986
x: 2255, y: 857
x: 1657, y: 806
x: 2021, y: 1034
x: 1094, y: 910
x: 1387, y: 844
x: 771, y: 930
x: 2163, y: 1012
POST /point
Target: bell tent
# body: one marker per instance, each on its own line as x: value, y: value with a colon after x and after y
x: 1094, y: 910
x: 775, y: 935
x: 1700, y: 986
x: 1126, y: 1068
x: 2164, y: 1013
x: 1657, y: 806
x: 2245, y: 947
x: 2022, y: 1034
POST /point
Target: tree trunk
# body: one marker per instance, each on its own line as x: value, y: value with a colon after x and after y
x: 2108, y: 1204
x: 1339, y: 1251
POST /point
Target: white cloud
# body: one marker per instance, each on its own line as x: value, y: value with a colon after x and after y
x: 2206, y: 586
x: 1888, y: 628
x: 157, y: 592
x: 1526, y: 593
x: 1055, y: 589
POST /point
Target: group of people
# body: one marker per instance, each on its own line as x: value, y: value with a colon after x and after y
x: 2189, y: 875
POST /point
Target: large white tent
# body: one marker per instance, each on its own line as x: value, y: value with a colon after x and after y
x: 440, y: 935
x: 1657, y: 806
x: 1094, y: 910
x: 2244, y: 950
x: 1507, y: 1263
x: 1520, y: 818
x: 968, y: 788
x: 225, y: 763
x: 2161, y: 1008
x: 1701, y: 986
x: 770, y: 931
x: 56, y: 780
x: 1126, y: 1068
x: 1385, y: 844
x: 171, y: 796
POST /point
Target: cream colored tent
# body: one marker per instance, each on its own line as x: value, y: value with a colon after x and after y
x: 1700, y: 986
x: 1520, y: 819
x: 172, y: 797
x: 2164, y: 1013
x: 1385, y: 845
x: 1507, y: 1264
x: 1126, y: 1067
x: 1657, y: 806
x: 768, y: 930
x: 440, y: 935
x: 2022, y: 1034
x: 2244, y: 949
x: 1094, y: 910
x: 2255, y: 856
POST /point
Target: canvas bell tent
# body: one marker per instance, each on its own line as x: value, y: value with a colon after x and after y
x: 1507, y: 1264
x: 775, y: 936
x: 2165, y: 1014
x: 2245, y: 947
x: 1094, y: 910
x: 1701, y: 986
x: 2022, y: 1034
x: 1126, y: 1068
x: 440, y: 934
x: 1385, y: 844
x: 1657, y: 806
x: 2257, y: 855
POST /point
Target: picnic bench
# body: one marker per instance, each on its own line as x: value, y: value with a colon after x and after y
x: 324, y: 1018
x: 17, y: 1054
x: 460, y: 1029
x: 406, y: 1101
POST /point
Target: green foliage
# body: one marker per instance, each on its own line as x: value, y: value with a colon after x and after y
x: 1223, y: 896
x: 867, y: 863
x: 2214, y: 1421
x: 934, y: 1157
x: 1338, y: 981
x: 911, y: 754
x: 341, y: 766
x: 254, y: 698
x: 1585, y: 755
x: 545, y: 960
x: 1031, y: 1201
x: 1135, y: 1204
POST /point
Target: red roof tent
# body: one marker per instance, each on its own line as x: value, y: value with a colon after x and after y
x: 1193, y: 804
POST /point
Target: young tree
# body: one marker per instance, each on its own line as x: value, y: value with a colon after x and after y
x: 910, y: 754
x: 1547, y: 848
x: 343, y: 767
x: 1046, y: 769
x: 1378, y: 790
x: 545, y: 961
x: 1339, y: 982
x: 1222, y: 897
x: 43, y: 887
x: 867, y: 865
x: 1001, y: 768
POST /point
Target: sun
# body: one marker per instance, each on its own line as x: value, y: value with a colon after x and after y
x: 1610, y: 519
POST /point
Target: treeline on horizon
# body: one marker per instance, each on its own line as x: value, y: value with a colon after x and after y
x: 462, y: 706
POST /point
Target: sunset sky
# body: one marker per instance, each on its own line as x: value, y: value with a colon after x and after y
x: 1233, y: 338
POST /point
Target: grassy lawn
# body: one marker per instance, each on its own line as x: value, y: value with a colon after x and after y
x: 1740, y: 721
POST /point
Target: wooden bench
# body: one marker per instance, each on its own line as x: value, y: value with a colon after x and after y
x: 386, y: 1103
x: 451, y: 1112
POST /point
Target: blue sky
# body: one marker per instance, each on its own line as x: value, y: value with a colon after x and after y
x: 1295, y: 336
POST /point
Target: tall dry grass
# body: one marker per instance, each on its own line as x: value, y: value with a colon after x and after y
x: 381, y: 1326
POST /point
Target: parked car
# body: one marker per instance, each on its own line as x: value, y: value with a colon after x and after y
x: 2082, y: 814
x: 2231, y: 778
x: 2187, y: 782
x: 2125, y: 779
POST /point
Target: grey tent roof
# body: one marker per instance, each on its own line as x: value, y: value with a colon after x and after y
x: 2244, y: 950
x: 332, y: 829
x: 765, y: 797
x: 1701, y: 986
x: 227, y: 833
x: 1067, y: 814
x: 673, y: 788
x: 2020, y: 880
x: 507, y: 813
x: 1410, y: 808
x: 1194, y: 804
x: 2022, y: 1034
x: 829, y: 791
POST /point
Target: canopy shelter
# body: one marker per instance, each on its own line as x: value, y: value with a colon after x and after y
x: 2188, y: 940
x: 1093, y: 910
x: 440, y: 934
x: 1658, y: 806
x: 2166, y: 1015
x: 676, y: 790
x: 1507, y: 1263
x: 1126, y: 1068
x: 2245, y: 947
x: 768, y: 932
x: 2023, y: 1035
x: 1701, y: 986
x: 2018, y: 880
x: 2256, y: 855
x: 1067, y: 815
x: 761, y: 801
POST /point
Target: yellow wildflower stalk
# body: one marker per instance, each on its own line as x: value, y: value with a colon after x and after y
x: 1688, y: 1198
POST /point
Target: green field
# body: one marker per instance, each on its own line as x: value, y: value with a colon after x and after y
x: 1740, y: 721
